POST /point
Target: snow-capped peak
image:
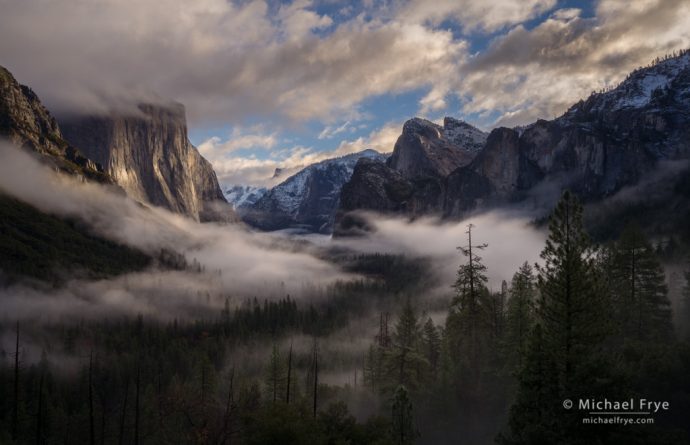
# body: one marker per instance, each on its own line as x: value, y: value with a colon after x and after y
x: 289, y: 194
x: 463, y: 135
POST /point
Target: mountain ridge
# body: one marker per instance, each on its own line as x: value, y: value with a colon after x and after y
x: 597, y: 147
x: 306, y: 200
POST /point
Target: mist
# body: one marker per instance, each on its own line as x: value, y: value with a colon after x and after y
x: 510, y: 236
x: 233, y: 261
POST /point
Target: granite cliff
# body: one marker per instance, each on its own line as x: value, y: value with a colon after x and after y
x: 147, y: 152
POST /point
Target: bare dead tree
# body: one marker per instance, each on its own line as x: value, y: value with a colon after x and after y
x: 289, y: 375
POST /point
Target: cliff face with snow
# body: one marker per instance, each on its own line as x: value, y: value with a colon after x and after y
x: 425, y: 149
x: 307, y: 200
x: 148, y: 154
x: 240, y: 196
x: 600, y: 145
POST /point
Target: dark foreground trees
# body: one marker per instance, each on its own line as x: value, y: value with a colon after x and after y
x: 587, y: 323
x: 594, y: 337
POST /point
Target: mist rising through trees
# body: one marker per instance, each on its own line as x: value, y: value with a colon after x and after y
x: 589, y: 321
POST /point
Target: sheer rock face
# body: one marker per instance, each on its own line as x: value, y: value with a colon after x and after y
x: 375, y: 186
x: 148, y: 154
x: 425, y: 149
x: 412, y: 180
x: 26, y: 123
x: 610, y: 141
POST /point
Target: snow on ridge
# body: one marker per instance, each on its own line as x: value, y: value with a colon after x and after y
x: 464, y: 135
x: 289, y: 194
x: 637, y: 90
x: 243, y: 195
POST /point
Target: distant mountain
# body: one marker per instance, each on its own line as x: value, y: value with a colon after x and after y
x: 412, y: 179
x: 308, y: 199
x: 148, y: 154
x: 425, y: 149
x: 609, y: 141
x: 243, y: 195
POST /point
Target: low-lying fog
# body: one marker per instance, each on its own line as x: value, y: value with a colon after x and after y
x: 237, y: 263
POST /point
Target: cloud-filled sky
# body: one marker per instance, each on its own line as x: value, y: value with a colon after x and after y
x: 279, y: 84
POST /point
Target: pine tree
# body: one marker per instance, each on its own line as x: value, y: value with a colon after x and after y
x: 639, y: 291
x: 405, y: 364
x: 564, y: 359
x: 92, y: 435
x: 520, y: 314
x: 15, y: 402
x: 431, y: 346
x: 275, y: 376
x: 496, y: 312
x: 403, y: 430
x: 289, y: 377
x: 533, y: 414
x: 467, y: 324
x: 572, y: 302
x: 685, y: 305
x: 373, y: 367
x: 315, y: 367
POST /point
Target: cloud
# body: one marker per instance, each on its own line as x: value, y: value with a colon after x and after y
x: 475, y: 15
x: 251, y: 170
x: 329, y: 132
x: 538, y: 73
x: 237, y: 264
x: 242, y: 61
x: 214, y: 147
x: 224, y: 60
x: 382, y: 140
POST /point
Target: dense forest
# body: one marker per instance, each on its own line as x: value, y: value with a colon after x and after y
x: 590, y: 321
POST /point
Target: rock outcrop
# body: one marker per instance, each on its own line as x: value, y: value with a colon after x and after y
x: 412, y: 180
x: 425, y: 149
x: 148, y: 154
x: 26, y: 123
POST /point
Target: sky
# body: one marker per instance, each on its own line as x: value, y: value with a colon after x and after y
x: 271, y: 84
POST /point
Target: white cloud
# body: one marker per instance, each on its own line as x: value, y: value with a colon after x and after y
x: 329, y: 132
x: 214, y: 147
x: 486, y: 16
x: 233, y: 61
x: 538, y: 73
x: 223, y: 60
x: 252, y: 170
